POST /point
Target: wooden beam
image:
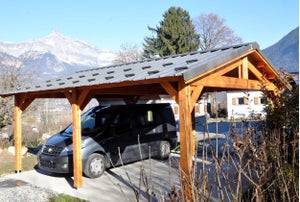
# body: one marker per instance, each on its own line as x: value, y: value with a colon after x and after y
x: 173, y: 93
x: 25, y: 102
x: 227, y: 68
x: 68, y: 95
x: 195, y: 96
x: 76, y: 138
x: 244, y: 70
x: 86, y: 101
x: 83, y: 98
x: 230, y: 83
x: 259, y: 75
x: 186, y: 147
x: 83, y: 94
x: 18, y: 134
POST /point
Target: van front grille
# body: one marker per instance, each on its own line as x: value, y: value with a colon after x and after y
x: 47, y: 164
x: 52, y: 150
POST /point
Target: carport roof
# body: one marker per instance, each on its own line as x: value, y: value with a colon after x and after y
x: 183, y: 77
x: 188, y: 65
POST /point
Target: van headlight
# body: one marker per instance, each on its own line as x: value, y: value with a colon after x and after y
x: 69, y: 148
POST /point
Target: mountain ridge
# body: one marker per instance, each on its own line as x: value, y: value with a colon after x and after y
x: 56, y: 55
x: 285, y: 53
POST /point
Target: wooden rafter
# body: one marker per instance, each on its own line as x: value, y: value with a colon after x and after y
x: 259, y: 75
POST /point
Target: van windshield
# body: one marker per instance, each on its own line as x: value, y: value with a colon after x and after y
x: 91, y: 122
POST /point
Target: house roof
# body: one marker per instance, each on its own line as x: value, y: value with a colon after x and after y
x: 187, y: 65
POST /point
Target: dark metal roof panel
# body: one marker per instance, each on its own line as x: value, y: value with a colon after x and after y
x: 188, y: 65
x: 216, y: 58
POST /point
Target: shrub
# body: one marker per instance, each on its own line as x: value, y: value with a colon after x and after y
x: 30, y: 138
x: 5, y: 142
x: 283, y: 147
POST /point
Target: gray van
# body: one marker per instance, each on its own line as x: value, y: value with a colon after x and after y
x: 112, y: 135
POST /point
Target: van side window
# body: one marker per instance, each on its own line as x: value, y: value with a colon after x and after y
x: 122, y: 122
x: 102, y: 120
x: 149, y: 116
x: 145, y: 118
x: 88, y: 123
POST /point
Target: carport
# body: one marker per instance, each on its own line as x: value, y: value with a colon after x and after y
x: 183, y: 77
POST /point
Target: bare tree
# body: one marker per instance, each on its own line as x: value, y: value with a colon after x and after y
x: 12, y: 76
x: 213, y: 32
x: 129, y: 53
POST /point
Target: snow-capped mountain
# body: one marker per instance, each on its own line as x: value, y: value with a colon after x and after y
x: 57, y: 54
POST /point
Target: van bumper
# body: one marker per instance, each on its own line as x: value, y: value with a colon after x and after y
x: 56, y: 164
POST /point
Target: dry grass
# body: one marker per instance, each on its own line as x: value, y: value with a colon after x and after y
x: 7, y: 162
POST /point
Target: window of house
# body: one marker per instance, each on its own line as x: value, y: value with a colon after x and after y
x: 241, y: 101
x: 263, y: 100
x: 260, y: 100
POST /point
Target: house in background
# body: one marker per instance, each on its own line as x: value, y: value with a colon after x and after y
x: 231, y: 104
x: 234, y: 104
x: 226, y: 104
x: 248, y: 104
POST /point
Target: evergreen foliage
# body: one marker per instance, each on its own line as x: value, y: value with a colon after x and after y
x: 175, y: 34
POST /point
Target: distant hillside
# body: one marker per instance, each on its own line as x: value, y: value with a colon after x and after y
x: 285, y: 53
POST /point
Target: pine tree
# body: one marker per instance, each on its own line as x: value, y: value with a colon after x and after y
x: 176, y: 34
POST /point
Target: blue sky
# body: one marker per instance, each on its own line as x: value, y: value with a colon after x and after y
x: 109, y: 24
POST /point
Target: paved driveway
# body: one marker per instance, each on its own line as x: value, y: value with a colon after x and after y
x: 128, y: 182
x: 117, y: 184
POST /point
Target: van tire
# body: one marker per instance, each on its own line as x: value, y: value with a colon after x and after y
x: 164, y: 150
x: 94, y: 166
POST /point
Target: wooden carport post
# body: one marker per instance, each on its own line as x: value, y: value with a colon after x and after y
x: 186, y: 140
x: 186, y: 97
x: 18, y: 134
x: 78, y: 100
x: 21, y: 103
x: 76, y: 138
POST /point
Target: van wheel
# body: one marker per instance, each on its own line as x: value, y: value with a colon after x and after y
x: 164, y: 149
x: 95, y: 166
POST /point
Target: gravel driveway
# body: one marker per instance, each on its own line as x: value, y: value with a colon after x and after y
x: 19, y: 191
